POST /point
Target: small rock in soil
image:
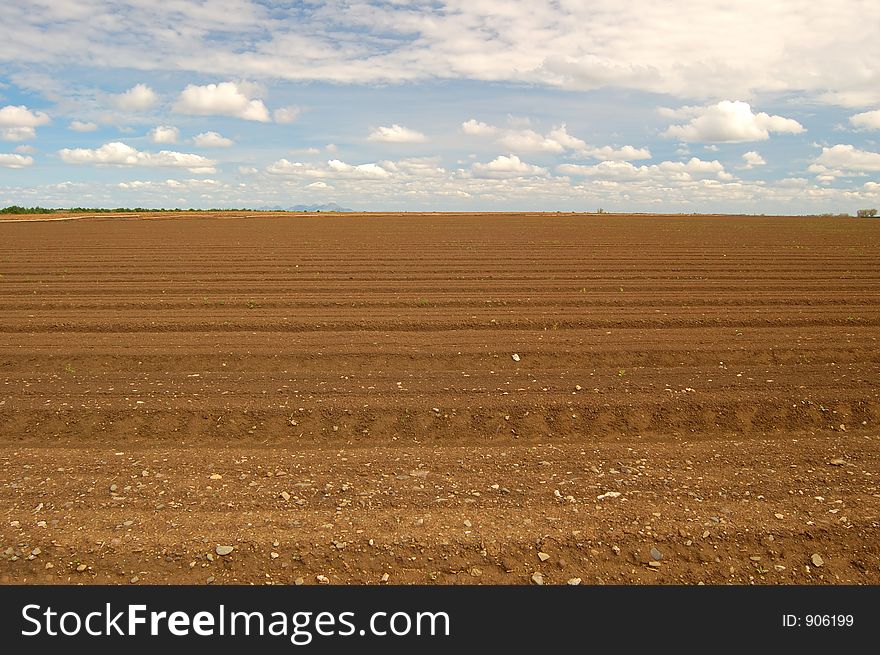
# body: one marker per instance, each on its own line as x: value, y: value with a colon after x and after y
x: 817, y: 560
x: 543, y: 556
x: 224, y: 550
x: 537, y: 578
x: 656, y: 555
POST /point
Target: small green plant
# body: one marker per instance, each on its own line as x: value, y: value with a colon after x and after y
x: 68, y: 368
x: 621, y: 372
x: 423, y: 302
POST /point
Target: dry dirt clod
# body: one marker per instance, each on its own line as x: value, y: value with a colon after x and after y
x: 515, y: 357
x: 322, y: 579
x: 573, y: 581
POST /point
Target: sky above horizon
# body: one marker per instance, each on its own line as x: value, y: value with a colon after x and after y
x: 686, y: 106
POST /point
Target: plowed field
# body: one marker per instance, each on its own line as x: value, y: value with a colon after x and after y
x: 440, y: 398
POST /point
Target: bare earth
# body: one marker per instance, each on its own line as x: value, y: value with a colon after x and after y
x: 337, y: 396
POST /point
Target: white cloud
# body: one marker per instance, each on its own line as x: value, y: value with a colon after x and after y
x: 709, y: 49
x: 333, y: 168
x: 474, y: 127
x: 25, y: 150
x: 18, y: 123
x: 842, y: 160
x: 753, y: 159
x: 318, y: 185
x: 211, y: 140
x: 626, y: 153
x: 224, y: 99
x: 666, y: 171
x: 286, y: 114
x: 82, y: 126
x: 732, y: 122
x: 17, y: 133
x: 15, y: 161
x: 396, y: 134
x: 507, y: 166
x: 120, y: 154
x: 529, y: 141
x: 137, y: 98
x: 21, y: 116
x: 558, y: 140
x: 416, y: 167
x: 868, y: 119
x: 361, y: 171
x: 164, y: 134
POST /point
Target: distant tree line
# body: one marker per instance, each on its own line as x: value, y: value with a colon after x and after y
x: 866, y: 213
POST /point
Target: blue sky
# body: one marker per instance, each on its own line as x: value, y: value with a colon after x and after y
x: 683, y: 106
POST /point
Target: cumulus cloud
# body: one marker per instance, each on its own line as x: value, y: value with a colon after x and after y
x: 120, y: 154
x: 286, y: 114
x: 396, y: 134
x: 869, y: 120
x: 191, y: 183
x: 164, y: 134
x: 752, y: 159
x: 137, y: 98
x: 507, y: 166
x: 626, y: 153
x: 17, y: 133
x: 416, y: 167
x: 623, y: 171
x: 21, y: 116
x: 15, y: 160
x: 474, y: 127
x: 82, y: 126
x: 557, y: 141
x: 224, y: 99
x: 333, y: 168
x: 844, y: 160
x: 731, y: 122
x: 211, y: 140
x: 25, y: 150
x: 18, y: 123
x: 529, y: 141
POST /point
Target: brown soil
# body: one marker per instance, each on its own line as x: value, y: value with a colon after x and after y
x: 351, y: 380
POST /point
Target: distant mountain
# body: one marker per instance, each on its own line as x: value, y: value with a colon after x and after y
x: 327, y: 207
